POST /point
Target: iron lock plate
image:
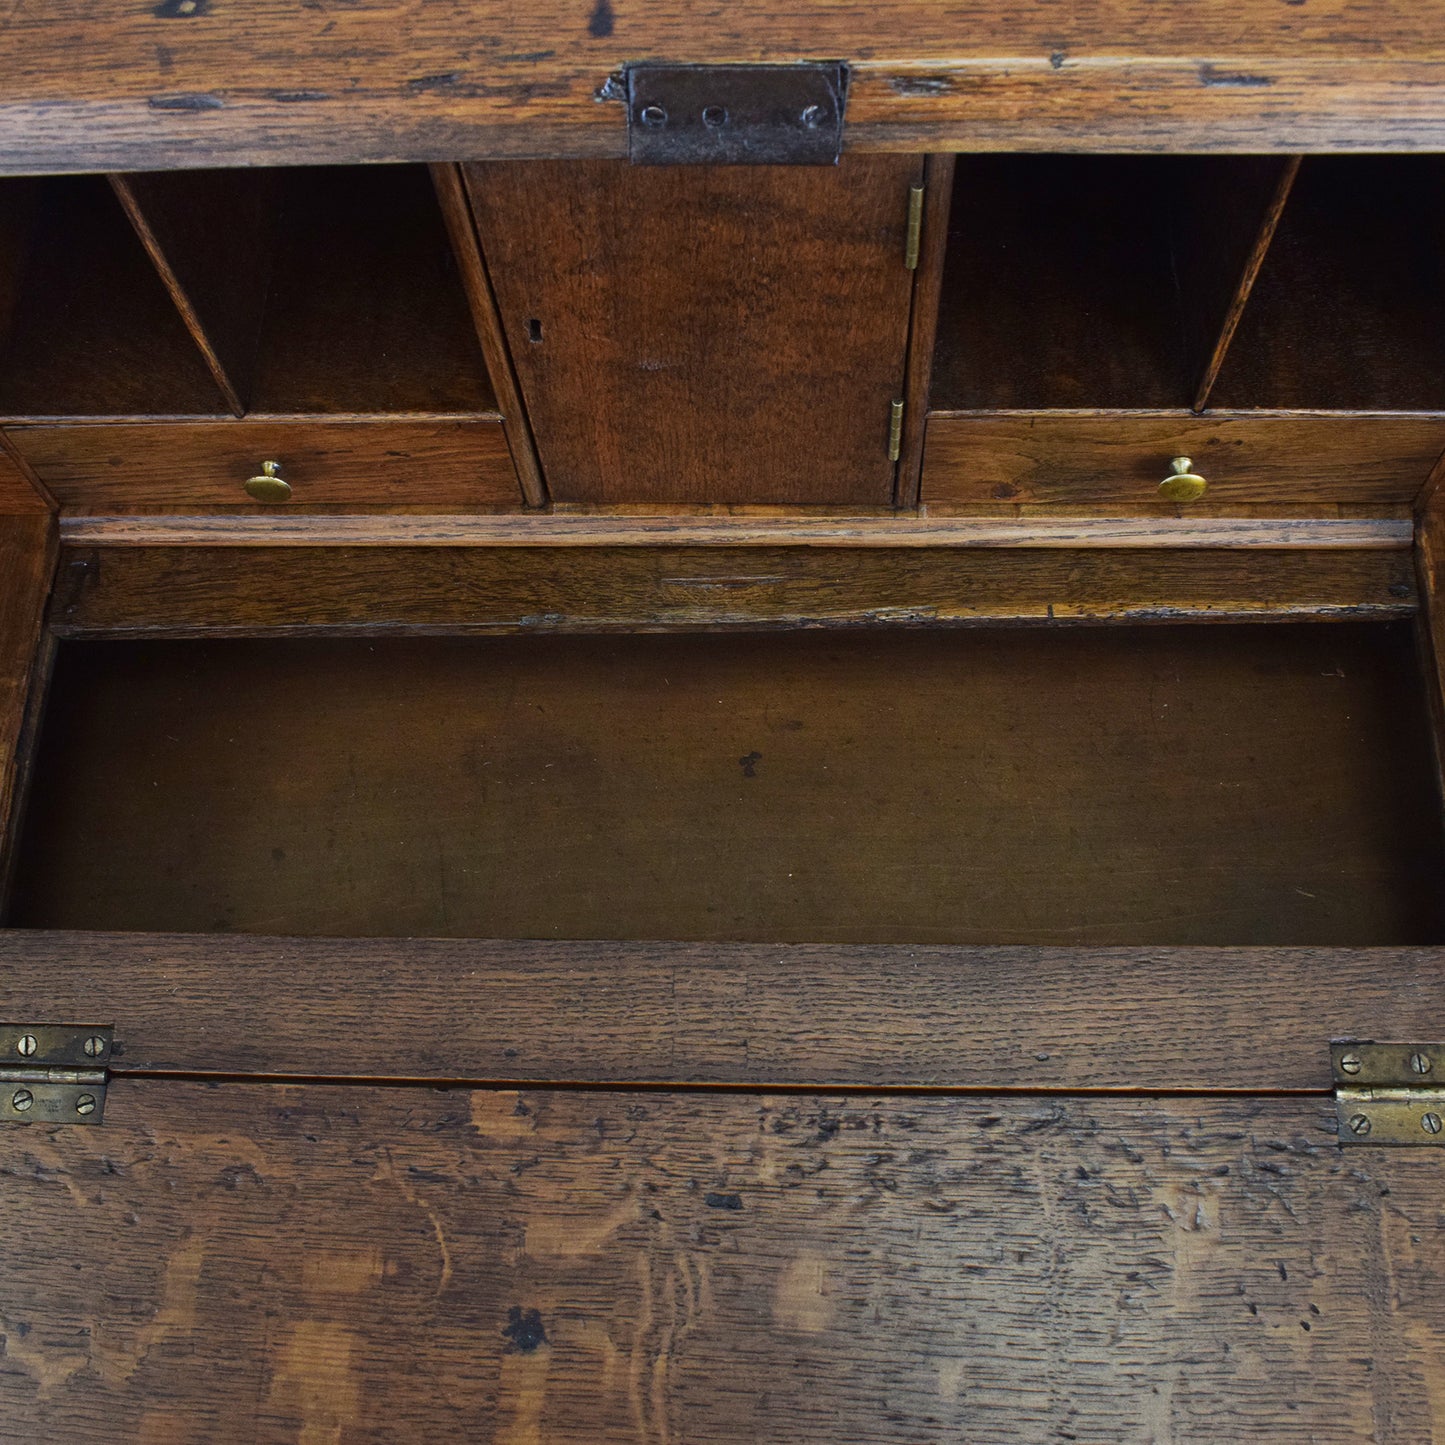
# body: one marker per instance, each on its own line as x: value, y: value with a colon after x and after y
x: 736, y: 115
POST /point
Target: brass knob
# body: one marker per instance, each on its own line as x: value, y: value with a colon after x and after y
x: 1183, y: 484
x: 268, y: 486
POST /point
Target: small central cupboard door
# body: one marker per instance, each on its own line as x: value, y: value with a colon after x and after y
x: 692, y: 335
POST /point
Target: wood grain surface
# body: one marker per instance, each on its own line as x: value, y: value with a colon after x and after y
x: 687, y: 334
x: 203, y: 466
x: 1088, y: 460
x: 1168, y: 785
x: 190, y: 590
x: 322, y: 1263
x: 28, y: 551
x: 19, y: 489
x: 118, y: 86
x: 796, y: 1015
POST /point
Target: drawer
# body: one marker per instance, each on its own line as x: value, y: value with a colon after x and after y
x: 1295, y: 461
x: 444, y: 466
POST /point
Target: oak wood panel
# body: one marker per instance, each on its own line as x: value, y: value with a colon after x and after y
x: 987, y: 526
x: 704, y: 334
x: 28, y: 550
x: 211, y: 237
x: 203, y: 466
x: 327, y: 1263
x: 1120, y: 459
x: 123, y: 87
x: 1004, y: 1018
x: 194, y: 590
x: 456, y: 213
x: 1025, y: 785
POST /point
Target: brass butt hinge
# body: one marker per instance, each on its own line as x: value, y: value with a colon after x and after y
x: 1389, y: 1093
x: 914, y: 236
x: 895, y: 431
x: 54, y: 1073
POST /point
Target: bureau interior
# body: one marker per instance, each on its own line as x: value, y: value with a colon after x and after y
x: 1122, y: 784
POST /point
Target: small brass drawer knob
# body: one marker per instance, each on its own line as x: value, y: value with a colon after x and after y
x: 1183, y: 484
x: 268, y: 486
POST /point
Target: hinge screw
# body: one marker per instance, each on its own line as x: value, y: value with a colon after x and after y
x: 22, y: 1100
x: 26, y: 1046
x: 1431, y: 1123
x: 1359, y: 1124
x: 85, y: 1104
x: 94, y: 1046
x: 1350, y: 1064
x: 1419, y: 1063
x: 653, y: 115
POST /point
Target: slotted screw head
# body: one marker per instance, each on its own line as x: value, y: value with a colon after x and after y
x: 1350, y: 1064
x: 21, y: 1100
x: 1420, y: 1063
x: 94, y: 1046
x: 26, y: 1045
x: 1359, y: 1124
x: 85, y: 1104
x: 1431, y: 1123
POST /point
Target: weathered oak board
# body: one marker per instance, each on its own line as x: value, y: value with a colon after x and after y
x: 121, y: 86
x: 1228, y: 1020
x: 322, y: 1263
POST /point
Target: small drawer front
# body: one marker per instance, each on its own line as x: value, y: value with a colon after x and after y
x: 442, y: 466
x: 1120, y: 461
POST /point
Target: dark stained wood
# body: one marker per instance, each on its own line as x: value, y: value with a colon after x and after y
x: 28, y: 550
x: 19, y: 206
x: 1060, y: 288
x: 123, y: 86
x: 20, y: 490
x: 1249, y: 460
x: 328, y: 1263
x: 93, y: 332
x: 1226, y: 1020
x: 1249, y: 196
x: 1349, y: 307
x: 1430, y: 624
x: 366, y: 310
x: 923, y: 334
x: 989, y: 525
x: 210, y: 236
x: 1166, y: 786
x: 704, y: 334
x: 192, y: 590
x: 457, y: 214
x: 203, y: 466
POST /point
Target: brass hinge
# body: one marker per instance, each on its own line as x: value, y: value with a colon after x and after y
x: 914, y: 237
x: 895, y: 431
x: 54, y: 1073
x: 1389, y: 1093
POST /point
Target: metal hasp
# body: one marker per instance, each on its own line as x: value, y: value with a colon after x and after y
x: 1389, y: 1093
x: 54, y: 1073
x: 736, y: 115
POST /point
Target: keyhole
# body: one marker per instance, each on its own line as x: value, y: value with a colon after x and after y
x: 534, y: 329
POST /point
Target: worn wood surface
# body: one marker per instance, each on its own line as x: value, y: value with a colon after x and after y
x: 1091, y: 459
x: 456, y: 213
x: 28, y: 552
x: 704, y: 334
x: 988, y: 525
x: 189, y: 590
x: 20, y: 490
x: 203, y: 466
x: 125, y: 87
x: 1245, y: 785
x: 554, y: 1011
x: 280, y: 1263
